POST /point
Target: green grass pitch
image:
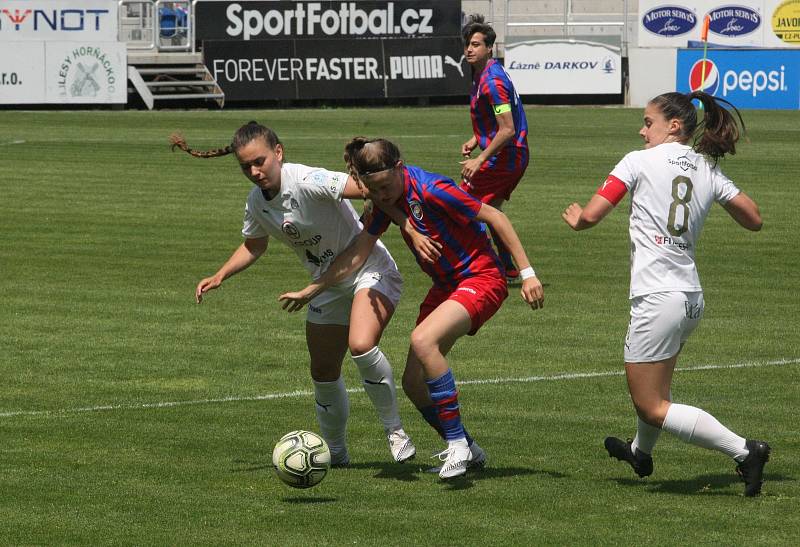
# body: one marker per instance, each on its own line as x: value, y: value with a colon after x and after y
x: 130, y: 415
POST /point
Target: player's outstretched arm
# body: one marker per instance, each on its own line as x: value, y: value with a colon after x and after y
x: 247, y: 253
x: 348, y: 261
x: 581, y: 218
x: 744, y: 211
x: 531, y: 291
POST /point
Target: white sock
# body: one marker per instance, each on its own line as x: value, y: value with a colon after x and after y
x: 376, y: 373
x: 333, y: 408
x: 700, y: 428
x: 646, y: 437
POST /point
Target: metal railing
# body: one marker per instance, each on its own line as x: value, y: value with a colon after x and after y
x: 568, y: 23
x: 157, y: 25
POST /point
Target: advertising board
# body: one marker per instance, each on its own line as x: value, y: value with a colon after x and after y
x: 280, y: 20
x: 762, y: 79
x: 564, y: 67
x: 61, y: 20
x: 337, y: 69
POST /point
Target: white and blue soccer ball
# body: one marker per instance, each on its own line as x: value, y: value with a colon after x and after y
x: 301, y: 459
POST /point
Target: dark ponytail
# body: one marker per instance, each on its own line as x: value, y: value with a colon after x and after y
x: 720, y: 131
x: 244, y: 135
x: 717, y: 133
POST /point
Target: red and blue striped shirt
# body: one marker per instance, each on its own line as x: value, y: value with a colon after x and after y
x: 441, y: 210
x: 492, y: 88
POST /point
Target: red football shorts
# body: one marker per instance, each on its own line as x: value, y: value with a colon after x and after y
x: 481, y: 295
x: 490, y: 183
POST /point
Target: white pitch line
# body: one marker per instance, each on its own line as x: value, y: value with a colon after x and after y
x: 305, y: 393
x: 12, y: 142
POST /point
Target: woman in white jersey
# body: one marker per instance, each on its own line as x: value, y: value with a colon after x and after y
x: 673, y: 182
x: 306, y: 208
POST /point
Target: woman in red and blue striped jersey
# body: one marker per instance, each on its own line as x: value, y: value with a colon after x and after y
x: 499, y: 129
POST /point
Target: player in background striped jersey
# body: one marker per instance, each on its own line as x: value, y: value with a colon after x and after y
x: 499, y: 129
x: 673, y: 183
x: 468, y: 285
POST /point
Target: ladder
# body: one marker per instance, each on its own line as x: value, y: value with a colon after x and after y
x: 173, y: 77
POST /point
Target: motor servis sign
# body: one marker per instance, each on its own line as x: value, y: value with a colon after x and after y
x: 750, y: 23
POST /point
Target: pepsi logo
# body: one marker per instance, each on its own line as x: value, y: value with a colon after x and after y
x: 704, y: 76
x: 669, y: 20
x: 733, y: 20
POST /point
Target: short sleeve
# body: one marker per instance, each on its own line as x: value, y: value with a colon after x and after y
x: 251, y: 228
x: 498, y: 90
x: 453, y: 201
x: 322, y: 185
x: 724, y: 189
x: 627, y: 170
x: 376, y: 221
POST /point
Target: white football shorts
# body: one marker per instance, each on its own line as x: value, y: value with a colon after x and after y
x: 660, y: 324
x: 379, y: 272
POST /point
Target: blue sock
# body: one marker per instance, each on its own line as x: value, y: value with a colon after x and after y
x: 432, y: 417
x: 445, y: 400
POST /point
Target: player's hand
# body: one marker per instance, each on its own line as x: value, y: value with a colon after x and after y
x: 207, y: 284
x: 533, y: 292
x: 426, y: 248
x: 468, y: 147
x: 469, y: 167
x: 294, y: 301
x: 572, y: 215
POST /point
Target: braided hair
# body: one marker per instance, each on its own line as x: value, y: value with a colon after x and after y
x: 244, y: 135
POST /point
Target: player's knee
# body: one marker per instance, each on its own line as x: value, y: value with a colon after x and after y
x: 652, y: 412
x: 359, y: 345
x: 322, y: 371
x: 422, y: 343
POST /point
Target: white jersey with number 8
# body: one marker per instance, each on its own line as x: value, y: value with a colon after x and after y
x: 672, y: 189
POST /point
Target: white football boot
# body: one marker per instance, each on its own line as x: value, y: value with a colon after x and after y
x: 400, y: 446
x: 478, y: 460
x: 456, y: 459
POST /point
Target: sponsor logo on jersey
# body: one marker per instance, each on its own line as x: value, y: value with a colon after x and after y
x: 470, y: 290
x: 317, y: 177
x: 309, y: 242
x: 667, y: 240
x: 416, y: 209
x: 733, y: 20
x: 315, y: 309
x: 290, y: 229
x: 683, y: 162
x: 669, y: 20
x: 318, y: 261
x: 711, y: 83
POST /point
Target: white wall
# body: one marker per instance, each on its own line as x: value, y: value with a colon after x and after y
x: 652, y: 72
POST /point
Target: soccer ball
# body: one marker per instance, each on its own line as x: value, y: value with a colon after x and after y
x: 301, y: 459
